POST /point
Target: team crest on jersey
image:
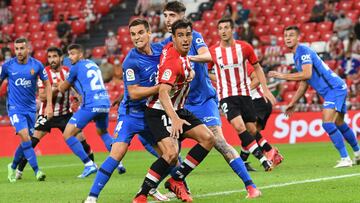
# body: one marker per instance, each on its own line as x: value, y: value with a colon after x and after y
x: 166, y: 75
x: 130, y: 75
x: 32, y: 71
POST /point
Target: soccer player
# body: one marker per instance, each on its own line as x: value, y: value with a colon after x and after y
x: 313, y: 71
x: 140, y: 68
x: 22, y: 73
x: 202, y: 96
x: 169, y: 122
x: 233, y: 86
x: 61, y: 105
x: 85, y: 75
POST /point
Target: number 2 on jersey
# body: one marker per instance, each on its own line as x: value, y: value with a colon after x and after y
x: 96, y: 82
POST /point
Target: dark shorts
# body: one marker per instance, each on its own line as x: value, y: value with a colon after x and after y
x: 234, y: 106
x: 159, y: 124
x: 60, y: 122
x: 263, y: 111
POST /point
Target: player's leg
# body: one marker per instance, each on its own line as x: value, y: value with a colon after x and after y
x: 81, y: 137
x: 148, y: 146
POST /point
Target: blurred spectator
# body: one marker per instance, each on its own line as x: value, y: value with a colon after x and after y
x: 335, y: 48
x: 331, y: 12
x: 107, y: 70
x: 318, y: 12
x: 89, y: 15
x: 357, y: 29
x: 7, y: 55
x: 302, y: 104
x: 88, y: 53
x: 118, y: 73
x: 241, y: 14
x: 45, y: 12
x: 64, y: 30
x: 4, y: 37
x: 257, y: 49
x: 275, y: 88
x: 315, y: 104
x: 245, y: 32
x: 342, y: 26
x: 111, y: 44
x: 352, y: 45
x: 5, y: 14
x: 142, y: 7
x: 272, y: 55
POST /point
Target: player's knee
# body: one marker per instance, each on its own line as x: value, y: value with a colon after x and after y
x: 170, y: 157
x: 239, y: 127
x: 252, y: 129
x: 208, y: 139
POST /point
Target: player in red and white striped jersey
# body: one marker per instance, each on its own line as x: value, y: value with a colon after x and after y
x: 233, y: 86
x: 169, y: 122
x: 61, y: 105
x: 262, y: 110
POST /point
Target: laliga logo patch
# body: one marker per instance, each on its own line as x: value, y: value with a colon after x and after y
x: 166, y: 75
x: 199, y: 41
x: 130, y: 75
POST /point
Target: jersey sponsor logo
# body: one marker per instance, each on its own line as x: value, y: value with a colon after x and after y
x: 23, y: 82
x: 130, y: 75
x: 199, y: 41
x: 305, y: 58
x: 166, y: 75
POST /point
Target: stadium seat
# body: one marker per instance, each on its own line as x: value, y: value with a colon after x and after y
x: 312, y: 37
x: 269, y: 11
x: 219, y: 8
x: 294, y: 3
x: 33, y: 18
x: 290, y: 85
x: 16, y: 3
x: 310, y: 4
x: 299, y: 9
x: 265, y: 39
x: 35, y: 27
x: 303, y: 18
x: 288, y: 20
x: 318, y: 46
x: 264, y: 3
x: 326, y: 36
x: 37, y: 36
x: 19, y: 19
x: 41, y: 55
x: 194, y: 16
x: 22, y: 34
x: 279, y: 3
x: 198, y: 25
x: 50, y: 26
x: 30, y: 2
x: 261, y: 30
x: 78, y: 26
x: 22, y: 27
x: 205, y: 6
x: 16, y: 10
x: 8, y: 29
x: 324, y: 26
x: 50, y: 35
x: 345, y: 5
x: 59, y: 7
x: 280, y: 40
x: 125, y: 50
x: 99, y: 52
x: 332, y: 64
x: 32, y: 8
x: 273, y: 20
x: 249, y: 4
x: 123, y: 30
x: 277, y: 30
x: 102, y: 7
x: 284, y: 10
x: 353, y: 15
x: 73, y: 7
x: 209, y: 16
x: 54, y: 42
x: 38, y: 44
x: 124, y: 40
x: 288, y: 95
x: 57, y: 1
x: 261, y: 20
x: 308, y: 27
x: 357, y: 5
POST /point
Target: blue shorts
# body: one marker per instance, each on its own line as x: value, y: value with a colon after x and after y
x: 23, y: 120
x: 208, y: 112
x: 128, y: 126
x: 84, y: 115
x: 335, y: 99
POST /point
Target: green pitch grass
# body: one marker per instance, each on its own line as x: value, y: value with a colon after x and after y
x: 306, y: 175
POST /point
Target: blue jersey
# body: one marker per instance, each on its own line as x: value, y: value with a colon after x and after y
x: 139, y: 69
x: 85, y: 75
x: 22, y: 83
x: 323, y: 79
x: 201, y: 88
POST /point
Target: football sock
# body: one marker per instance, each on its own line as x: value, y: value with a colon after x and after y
x: 239, y: 168
x: 19, y: 154
x: 30, y: 155
x: 77, y: 149
x: 103, y: 176
x: 262, y: 142
x: 152, y: 178
x: 244, y: 154
x: 107, y: 139
x: 23, y: 162
x: 148, y: 147
x: 336, y: 138
x: 195, y: 156
x: 349, y: 136
x: 248, y: 142
x: 87, y: 149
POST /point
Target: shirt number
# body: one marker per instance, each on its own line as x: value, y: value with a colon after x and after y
x: 96, y: 82
x: 14, y: 119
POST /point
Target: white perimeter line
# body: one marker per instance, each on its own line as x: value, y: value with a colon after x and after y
x: 279, y: 185
x: 45, y: 167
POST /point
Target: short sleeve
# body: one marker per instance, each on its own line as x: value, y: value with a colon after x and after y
x: 198, y: 41
x: 304, y: 56
x: 40, y: 84
x: 250, y: 68
x: 42, y: 73
x: 168, y: 72
x: 3, y: 72
x: 72, y: 75
x: 249, y: 53
x: 131, y: 73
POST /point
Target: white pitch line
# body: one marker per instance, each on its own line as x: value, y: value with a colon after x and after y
x: 46, y: 167
x: 277, y: 185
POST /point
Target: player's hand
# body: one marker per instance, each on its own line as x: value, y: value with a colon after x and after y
x: 290, y: 109
x: 116, y: 102
x: 269, y: 97
x: 49, y: 111
x: 191, y: 76
x: 177, y: 127
x: 274, y: 74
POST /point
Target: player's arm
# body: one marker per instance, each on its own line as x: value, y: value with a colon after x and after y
x: 48, y: 110
x: 254, y: 81
x: 137, y: 92
x: 204, y: 56
x: 177, y: 123
x: 302, y: 75
x: 299, y: 93
x: 262, y: 80
x: 63, y: 86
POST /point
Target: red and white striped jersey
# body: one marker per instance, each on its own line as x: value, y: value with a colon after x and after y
x: 230, y: 70
x: 61, y: 103
x: 258, y: 92
x: 173, y: 70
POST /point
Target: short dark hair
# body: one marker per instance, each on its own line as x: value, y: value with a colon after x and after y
x: 226, y: 19
x: 76, y: 46
x: 182, y: 23
x: 21, y: 40
x: 55, y: 49
x: 140, y: 21
x: 175, y: 6
x: 293, y: 27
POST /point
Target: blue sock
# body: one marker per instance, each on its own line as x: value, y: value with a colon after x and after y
x: 336, y: 137
x: 239, y: 168
x: 107, y: 139
x: 77, y: 149
x: 349, y: 136
x: 103, y: 176
x: 19, y: 154
x: 30, y: 155
x: 148, y: 147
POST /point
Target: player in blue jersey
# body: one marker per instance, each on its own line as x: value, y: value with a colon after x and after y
x: 22, y: 73
x: 139, y: 69
x: 202, y: 100
x: 314, y: 72
x: 85, y: 76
